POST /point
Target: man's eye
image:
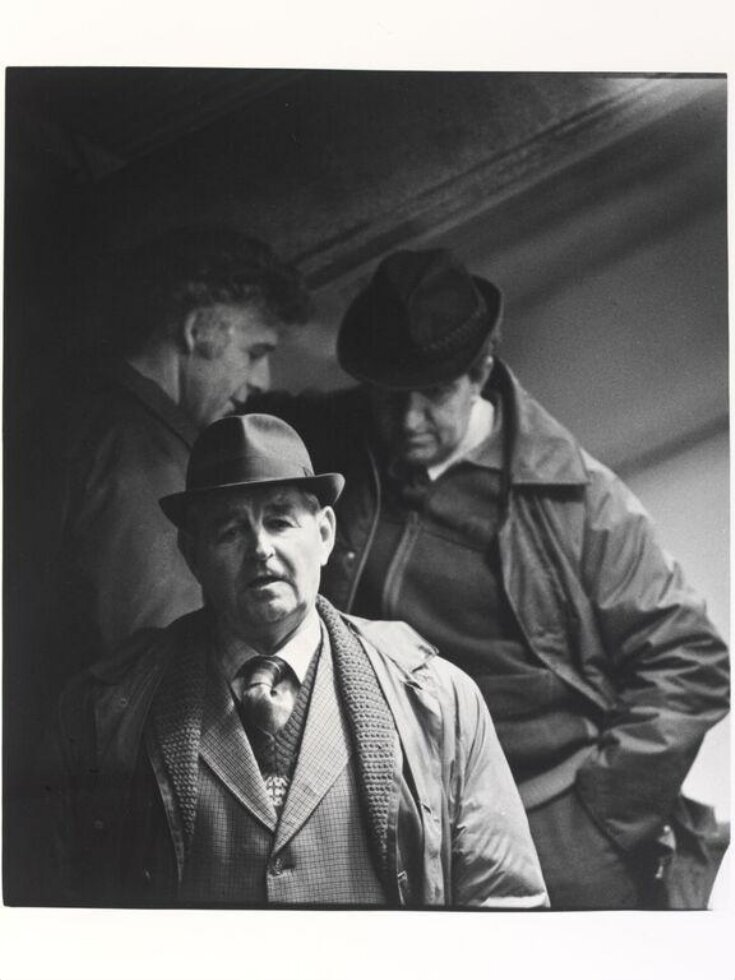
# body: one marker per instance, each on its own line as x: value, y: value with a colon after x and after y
x: 258, y: 353
x: 280, y: 523
x: 227, y: 534
x: 439, y: 392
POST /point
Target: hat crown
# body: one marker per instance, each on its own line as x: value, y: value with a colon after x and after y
x: 436, y: 294
x: 244, y: 449
x: 422, y: 319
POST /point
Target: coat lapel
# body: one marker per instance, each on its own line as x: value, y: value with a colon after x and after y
x: 324, y: 752
x: 174, y: 733
x: 226, y: 750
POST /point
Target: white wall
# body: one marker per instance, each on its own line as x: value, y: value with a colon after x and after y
x: 688, y: 496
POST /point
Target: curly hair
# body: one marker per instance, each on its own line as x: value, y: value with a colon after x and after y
x: 154, y: 286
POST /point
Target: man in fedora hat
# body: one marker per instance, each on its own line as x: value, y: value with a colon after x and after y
x: 191, y: 318
x: 267, y: 749
x: 472, y: 514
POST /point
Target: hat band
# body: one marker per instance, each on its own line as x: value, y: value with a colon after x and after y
x: 250, y: 469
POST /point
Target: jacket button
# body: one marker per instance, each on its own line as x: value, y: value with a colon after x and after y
x: 277, y: 866
x: 98, y: 825
x: 350, y: 556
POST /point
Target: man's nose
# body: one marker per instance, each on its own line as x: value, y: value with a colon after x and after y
x: 259, y: 378
x: 261, y: 544
x: 412, y: 411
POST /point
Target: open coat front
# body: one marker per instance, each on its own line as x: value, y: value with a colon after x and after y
x: 126, y: 776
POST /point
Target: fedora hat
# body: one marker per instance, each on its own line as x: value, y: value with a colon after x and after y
x: 249, y: 451
x: 421, y: 320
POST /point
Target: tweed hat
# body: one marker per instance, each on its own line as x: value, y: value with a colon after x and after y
x: 421, y: 320
x: 249, y: 451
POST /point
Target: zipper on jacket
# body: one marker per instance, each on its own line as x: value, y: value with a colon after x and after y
x: 397, y: 567
x: 371, y: 535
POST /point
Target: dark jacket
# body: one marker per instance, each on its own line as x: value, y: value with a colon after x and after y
x: 93, y: 556
x: 598, y: 600
x: 118, y: 569
x: 121, y: 828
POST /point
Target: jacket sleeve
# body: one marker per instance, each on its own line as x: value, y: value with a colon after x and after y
x: 493, y: 860
x: 126, y: 547
x: 85, y: 773
x: 61, y: 774
x: 667, y: 663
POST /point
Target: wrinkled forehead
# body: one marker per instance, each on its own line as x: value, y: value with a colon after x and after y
x: 222, y: 505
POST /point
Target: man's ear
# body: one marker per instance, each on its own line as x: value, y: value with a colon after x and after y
x: 185, y: 542
x: 482, y: 373
x: 190, y: 332
x: 327, y: 523
x: 203, y: 332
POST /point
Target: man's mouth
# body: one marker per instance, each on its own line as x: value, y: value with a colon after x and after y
x: 416, y: 440
x: 264, y: 579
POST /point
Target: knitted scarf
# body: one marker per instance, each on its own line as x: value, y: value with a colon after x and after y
x: 371, y: 726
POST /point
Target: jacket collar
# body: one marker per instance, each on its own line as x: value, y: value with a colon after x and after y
x: 155, y: 400
x: 538, y: 448
x: 398, y: 641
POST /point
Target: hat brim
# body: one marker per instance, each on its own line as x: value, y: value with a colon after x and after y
x: 326, y: 487
x: 362, y: 358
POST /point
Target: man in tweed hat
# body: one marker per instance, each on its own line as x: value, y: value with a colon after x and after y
x: 474, y: 516
x: 267, y: 749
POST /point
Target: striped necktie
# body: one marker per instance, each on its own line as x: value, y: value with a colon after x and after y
x: 269, y: 693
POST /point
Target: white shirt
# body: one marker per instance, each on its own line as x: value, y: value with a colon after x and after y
x: 479, y: 428
x: 297, y: 651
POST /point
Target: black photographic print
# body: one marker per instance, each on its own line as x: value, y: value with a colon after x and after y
x: 572, y: 561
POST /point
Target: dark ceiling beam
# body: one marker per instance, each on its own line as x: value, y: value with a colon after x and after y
x: 499, y: 178
x: 93, y: 122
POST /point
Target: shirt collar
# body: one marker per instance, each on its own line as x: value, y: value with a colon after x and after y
x: 481, y: 443
x: 297, y: 651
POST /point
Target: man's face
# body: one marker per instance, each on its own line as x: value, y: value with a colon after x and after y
x: 423, y: 426
x: 227, y: 360
x: 258, y: 555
